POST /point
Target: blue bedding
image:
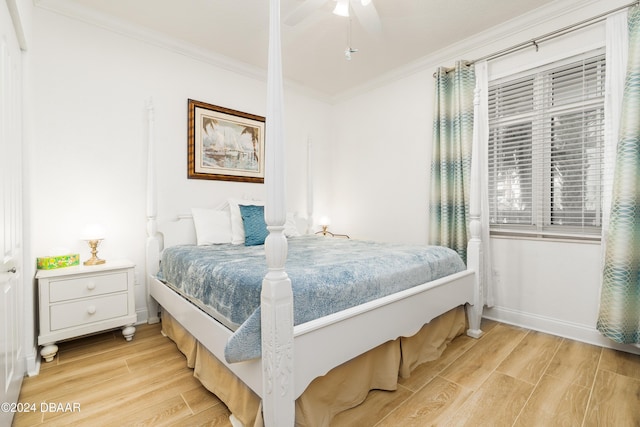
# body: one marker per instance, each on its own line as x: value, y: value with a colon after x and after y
x: 327, y: 275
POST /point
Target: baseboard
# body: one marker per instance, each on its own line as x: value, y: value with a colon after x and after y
x: 142, y: 316
x: 557, y: 327
x: 32, y: 361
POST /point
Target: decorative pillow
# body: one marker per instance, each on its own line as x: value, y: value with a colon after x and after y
x: 237, y: 227
x: 255, y: 229
x: 213, y: 226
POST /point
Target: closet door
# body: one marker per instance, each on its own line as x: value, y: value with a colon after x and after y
x: 11, y: 280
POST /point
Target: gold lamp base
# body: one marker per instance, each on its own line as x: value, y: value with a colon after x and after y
x: 324, y: 231
x: 94, y: 260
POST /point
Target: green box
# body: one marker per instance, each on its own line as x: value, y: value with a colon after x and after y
x: 61, y: 261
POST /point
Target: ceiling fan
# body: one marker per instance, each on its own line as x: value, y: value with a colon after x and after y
x: 364, y: 11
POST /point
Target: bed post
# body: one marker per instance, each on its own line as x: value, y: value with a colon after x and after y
x: 309, y: 229
x: 474, y: 247
x: 153, y: 241
x: 276, y: 296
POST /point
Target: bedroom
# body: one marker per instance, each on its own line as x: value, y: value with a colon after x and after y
x: 86, y: 158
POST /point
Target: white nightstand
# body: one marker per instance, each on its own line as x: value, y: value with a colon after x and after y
x: 81, y: 300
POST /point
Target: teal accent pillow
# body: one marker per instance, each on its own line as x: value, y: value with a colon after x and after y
x: 255, y: 229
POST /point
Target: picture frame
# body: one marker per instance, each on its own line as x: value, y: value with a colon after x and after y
x: 224, y: 144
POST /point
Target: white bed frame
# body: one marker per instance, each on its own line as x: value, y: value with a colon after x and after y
x: 293, y: 356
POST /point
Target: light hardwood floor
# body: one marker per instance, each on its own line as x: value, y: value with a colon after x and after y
x: 509, y: 377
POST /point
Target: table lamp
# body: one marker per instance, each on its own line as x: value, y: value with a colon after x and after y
x: 93, y: 234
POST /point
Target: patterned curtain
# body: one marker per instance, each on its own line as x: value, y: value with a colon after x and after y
x: 451, y: 158
x: 619, y: 317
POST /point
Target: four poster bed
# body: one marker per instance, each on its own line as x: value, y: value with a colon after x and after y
x: 284, y: 358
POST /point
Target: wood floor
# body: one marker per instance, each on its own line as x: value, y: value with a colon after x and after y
x: 509, y: 377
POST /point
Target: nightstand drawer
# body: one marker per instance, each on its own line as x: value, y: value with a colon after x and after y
x: 68, y: 289
x: 82, y: 312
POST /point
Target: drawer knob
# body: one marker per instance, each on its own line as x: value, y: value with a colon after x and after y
x: 91, y: 309
x: 91, y: 286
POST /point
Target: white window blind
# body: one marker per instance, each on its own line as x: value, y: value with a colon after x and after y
x: 546, y: 136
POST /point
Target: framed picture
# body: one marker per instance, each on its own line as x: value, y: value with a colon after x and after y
x: 225, y: 144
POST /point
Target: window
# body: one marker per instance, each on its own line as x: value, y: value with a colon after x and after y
x: 546, y: 139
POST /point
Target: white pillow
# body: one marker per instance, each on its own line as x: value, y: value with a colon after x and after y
x: 237, y: 226
x: 213, y: 226
x: 291, y: 225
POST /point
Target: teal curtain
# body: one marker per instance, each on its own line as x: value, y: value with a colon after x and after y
x: 451, y: 158
x: 619, y: 317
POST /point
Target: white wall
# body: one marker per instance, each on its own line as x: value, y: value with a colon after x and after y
x: 89, y: 87
x: 371, y: 155
x: 381, y: 162
x: 381, y: 167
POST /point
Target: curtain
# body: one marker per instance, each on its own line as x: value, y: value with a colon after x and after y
x: 619, y: 317
x: 451, y: 158
x: 617, y: 49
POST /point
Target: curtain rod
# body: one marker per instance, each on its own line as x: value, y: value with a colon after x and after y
x: 545, y: 37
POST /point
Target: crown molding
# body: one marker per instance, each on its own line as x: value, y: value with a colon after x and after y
x: 470, y: 48
x: 18, y: 23
x: 94, y: 18
x: 524, y: 27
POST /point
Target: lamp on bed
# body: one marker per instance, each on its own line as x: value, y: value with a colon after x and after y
x: 324, y: 222
x: 342, y: 8
x: 93, y: 234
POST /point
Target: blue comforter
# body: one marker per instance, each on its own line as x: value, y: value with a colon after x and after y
x: 327, y: 275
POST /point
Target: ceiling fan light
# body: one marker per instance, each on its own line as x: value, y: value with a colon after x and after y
x: 342, y: 8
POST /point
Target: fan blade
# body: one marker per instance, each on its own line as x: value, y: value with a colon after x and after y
x: 368, y: 16
x: 300, y: 13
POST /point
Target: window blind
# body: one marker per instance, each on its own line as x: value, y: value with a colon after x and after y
x: 546, y: 138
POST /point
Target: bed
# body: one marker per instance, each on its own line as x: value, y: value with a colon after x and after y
x: 380, y: 288
x: 292, y: 360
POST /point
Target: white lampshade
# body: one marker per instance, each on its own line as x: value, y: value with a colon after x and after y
x: 93, y: 232
x: 324, y: 221
x: 342, y: 8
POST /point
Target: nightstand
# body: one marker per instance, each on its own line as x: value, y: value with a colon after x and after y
x: 81, y: 300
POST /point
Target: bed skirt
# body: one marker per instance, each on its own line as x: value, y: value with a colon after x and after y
x: 330, y: 394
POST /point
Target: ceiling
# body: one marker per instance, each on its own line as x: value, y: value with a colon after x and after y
x: 313, y: 50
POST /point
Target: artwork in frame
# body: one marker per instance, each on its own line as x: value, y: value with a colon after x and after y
x: 225, y: 144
